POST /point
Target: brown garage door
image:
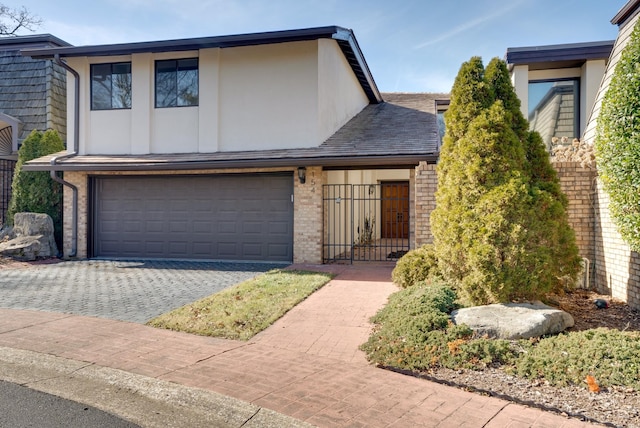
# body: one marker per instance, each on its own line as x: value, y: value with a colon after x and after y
x: 226, y: 217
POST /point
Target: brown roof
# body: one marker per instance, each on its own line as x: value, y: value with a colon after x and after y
x: 400, y: 132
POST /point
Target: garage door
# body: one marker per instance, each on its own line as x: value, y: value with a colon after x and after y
x: 226, y: 217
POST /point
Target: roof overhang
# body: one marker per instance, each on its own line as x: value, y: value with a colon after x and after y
x: 192, y: 162
x: 344, y: 37
x: 35, y: 41
x: 626, y: 13
x: 558, y: 56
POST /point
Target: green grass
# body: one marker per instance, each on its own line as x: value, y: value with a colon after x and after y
x: 413, y: 332
x: 242, y: 311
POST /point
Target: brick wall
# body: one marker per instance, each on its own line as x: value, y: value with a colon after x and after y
x: 426, y: 182
x: 308, y: 217
x: 80, y: 180
x: 578, y: 183
x: 617, y: 269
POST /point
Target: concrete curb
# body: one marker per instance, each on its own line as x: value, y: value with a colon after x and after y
x: 142, y: 400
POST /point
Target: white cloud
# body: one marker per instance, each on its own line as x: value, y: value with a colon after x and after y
x: 465, y: 26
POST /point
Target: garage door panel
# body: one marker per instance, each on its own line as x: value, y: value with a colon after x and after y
x: 249, y: 250
x: 209, y: 217
x: 278, y: 249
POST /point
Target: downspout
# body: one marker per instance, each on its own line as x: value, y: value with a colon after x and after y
x: 74, y: 152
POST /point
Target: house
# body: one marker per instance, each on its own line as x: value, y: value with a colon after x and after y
x: 32, y: 96
x: 273, y: 146
x: 617, y: 267
x: 557, y: 85
x: 561, y: 88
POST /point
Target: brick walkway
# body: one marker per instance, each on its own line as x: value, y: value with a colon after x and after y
x: 307, y: 365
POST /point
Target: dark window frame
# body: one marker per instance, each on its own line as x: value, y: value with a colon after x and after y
x: 178, y: 65
x: 95, y: 106
x: 441, y: 107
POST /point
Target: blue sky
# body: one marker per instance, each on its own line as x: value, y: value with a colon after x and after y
x: 410, y: 45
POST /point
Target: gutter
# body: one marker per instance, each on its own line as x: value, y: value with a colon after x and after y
x: 74, y: 152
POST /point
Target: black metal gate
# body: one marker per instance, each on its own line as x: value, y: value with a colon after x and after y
x: 366, y: 222
x: 7, y: 166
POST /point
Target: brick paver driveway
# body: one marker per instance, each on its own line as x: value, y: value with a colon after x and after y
x: 133, y: 291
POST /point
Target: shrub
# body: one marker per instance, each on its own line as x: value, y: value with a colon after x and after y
x: 35, y: 191
x: 416, y: 266
x: 617, y: 143
x: 612, y: 357
x: 414, y: 332
x: 500, y: 226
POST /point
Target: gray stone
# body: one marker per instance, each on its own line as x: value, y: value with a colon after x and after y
x: 27, y: 248
x: 30, y: 224
x: 6, y: 233
x: 514, y: 320
x: 33, y: 238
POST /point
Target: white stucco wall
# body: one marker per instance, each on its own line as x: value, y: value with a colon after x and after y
x: 340, y: 96
x: 280, y: 96
x: 520, y: 81
x: 269, y: 97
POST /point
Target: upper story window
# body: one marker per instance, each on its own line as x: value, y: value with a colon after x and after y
x: 441, y: 107
x: 111, y: 86
x: 554, y: 110
x: 177, y: 83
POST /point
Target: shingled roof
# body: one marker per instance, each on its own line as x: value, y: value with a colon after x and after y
x: 400, y: 132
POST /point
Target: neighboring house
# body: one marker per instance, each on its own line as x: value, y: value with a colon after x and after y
x: 32, y: 96
x: 617, y: 267
x: 269, y: 146
x: 562, y: 85
x: 557, y: 85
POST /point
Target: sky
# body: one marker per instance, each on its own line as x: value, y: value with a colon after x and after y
x: 409, y: 45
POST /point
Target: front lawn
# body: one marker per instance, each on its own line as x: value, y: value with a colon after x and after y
x: 242, y: 311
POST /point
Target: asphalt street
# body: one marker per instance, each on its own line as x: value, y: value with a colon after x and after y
x: 25, y: 407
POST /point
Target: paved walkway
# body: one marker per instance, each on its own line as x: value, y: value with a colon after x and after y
x: 307, y: 365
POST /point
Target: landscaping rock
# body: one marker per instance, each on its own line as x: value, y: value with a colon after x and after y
x: 514, y: 320
x: 27, y: 248
x: 33, y: 238
x: 6, y: 233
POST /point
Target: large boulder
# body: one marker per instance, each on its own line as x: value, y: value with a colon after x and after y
x: 514, y: 320
x: 33, y: 238
x: 27, y: 248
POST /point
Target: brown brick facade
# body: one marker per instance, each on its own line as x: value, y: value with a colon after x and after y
x: 617, y: 270
x: 578, y: 184
x: 426, y: 183
x: 307, y: 217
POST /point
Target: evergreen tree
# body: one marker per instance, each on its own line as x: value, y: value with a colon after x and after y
x: 36, y: 191
x: 499, y: 224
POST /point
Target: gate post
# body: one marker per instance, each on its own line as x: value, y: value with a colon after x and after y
x: 307, y: 217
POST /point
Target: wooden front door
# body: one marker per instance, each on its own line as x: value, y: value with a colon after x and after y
x: 395, y: 210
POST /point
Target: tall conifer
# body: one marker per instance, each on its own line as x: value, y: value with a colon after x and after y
x: 499, y: 226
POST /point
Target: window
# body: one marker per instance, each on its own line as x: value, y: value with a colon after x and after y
x: 177, y: 83
x: 111, y: 86
x: 553, y: 110
x: 441, y: 107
